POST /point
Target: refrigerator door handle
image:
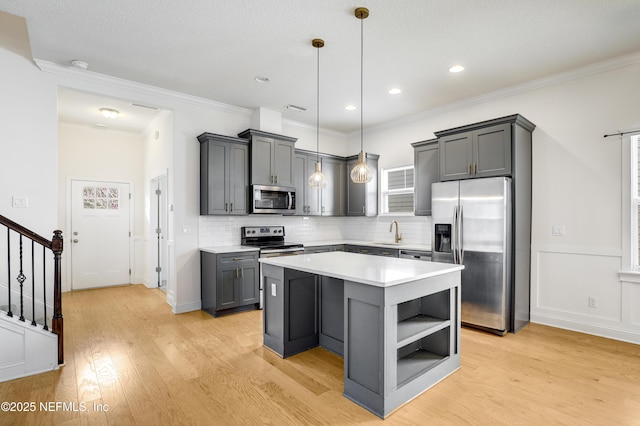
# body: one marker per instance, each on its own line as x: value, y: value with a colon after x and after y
x: 460, y: 236
x: 454, y: 233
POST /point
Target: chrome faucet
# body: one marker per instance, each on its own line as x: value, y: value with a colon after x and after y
x: 398, y: 236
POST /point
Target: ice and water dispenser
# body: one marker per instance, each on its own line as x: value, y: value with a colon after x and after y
x: 442, y: 235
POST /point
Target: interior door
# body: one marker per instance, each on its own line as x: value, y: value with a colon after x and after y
x: 100, y: 218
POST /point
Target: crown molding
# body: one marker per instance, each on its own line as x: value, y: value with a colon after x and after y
x: 305, y: 126
x: 145, y: 89
x: 574, y: 74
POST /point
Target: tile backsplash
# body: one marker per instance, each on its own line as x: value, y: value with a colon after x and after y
x: 225, y: 230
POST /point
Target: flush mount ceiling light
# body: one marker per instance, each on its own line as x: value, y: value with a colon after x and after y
x: 79, y: 64
x: 317, y: 178
x: 350, y: 108
x: 361, y: 172
x: 395, y: 91
x: 109, y: 113
x: 262, y: 79
x: 456, y: 69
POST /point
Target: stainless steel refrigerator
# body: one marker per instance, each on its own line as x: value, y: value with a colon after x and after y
x: 473, y: 225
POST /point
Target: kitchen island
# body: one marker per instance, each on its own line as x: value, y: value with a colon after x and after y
x: 395, y: 321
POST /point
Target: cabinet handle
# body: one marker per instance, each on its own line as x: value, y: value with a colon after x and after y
x: 241, y: 272
x: 468, y: 168
x: 237, y: 258
x: 364, y: 251
x: 226, y: 205
x: 322, y: 209
x: 236, y: 272
x: 232, y: 207
x: 276, y: 179
x: 475, y: 168
x: 362, y: 209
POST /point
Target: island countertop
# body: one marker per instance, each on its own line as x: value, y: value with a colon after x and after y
x: 377, y: 271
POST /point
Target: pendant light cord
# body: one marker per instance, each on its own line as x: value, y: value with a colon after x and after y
x: 318, y: 108
x: 361, y: 83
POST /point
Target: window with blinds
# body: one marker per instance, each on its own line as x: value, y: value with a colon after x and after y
x: 397, y: 190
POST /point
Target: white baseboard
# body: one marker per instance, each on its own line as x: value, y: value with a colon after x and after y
x: 187, y: 307
x: 624, y: 335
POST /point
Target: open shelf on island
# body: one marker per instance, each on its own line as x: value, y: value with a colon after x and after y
x: 416, y: 363
x: 417, y: 327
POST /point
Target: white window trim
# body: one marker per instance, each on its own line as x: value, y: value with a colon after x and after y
x: 630, y: 224
x: 384, y: 207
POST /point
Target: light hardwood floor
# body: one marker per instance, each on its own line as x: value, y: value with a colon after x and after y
x: 125, y: 350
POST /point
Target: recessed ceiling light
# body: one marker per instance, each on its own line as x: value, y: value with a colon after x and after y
x: 109, y: 112
x: 80, y: 64
x: 261, y: 78
x: 100, y: 126
x: 395, y: 91
x: 350, y: 108
x: 456, y: 68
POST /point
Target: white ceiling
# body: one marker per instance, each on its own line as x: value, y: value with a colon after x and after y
x: 214, y: 48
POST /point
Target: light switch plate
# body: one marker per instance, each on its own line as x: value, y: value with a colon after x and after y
x: 20, y: 202
x: 273, y: 289
x: 557, y: 230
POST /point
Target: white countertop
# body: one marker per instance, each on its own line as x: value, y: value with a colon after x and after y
x: 381, y: 244
x: 228, y: 249
x: 378, y: 271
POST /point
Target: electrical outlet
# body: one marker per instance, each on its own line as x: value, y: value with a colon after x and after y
x: 557, y: 230
x: 273, y: 289
x: 593, y: 302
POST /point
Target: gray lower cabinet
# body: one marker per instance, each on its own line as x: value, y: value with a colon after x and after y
x: 324, y: 249
x: 362, y: 199
x: 482, y: 149
x: 229, y: 282
x: 290, y: 312
x: 375, y: 251
x: 426, y: 164
x: 272, y: 158
x: 224, y: 175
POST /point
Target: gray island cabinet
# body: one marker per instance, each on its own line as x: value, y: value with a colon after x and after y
x: 395, y: 321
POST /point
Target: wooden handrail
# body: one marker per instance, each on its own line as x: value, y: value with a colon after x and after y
x: 26, y: 232
x: 56, y: 246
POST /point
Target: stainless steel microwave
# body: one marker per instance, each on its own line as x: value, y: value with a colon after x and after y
x: 273, y: 199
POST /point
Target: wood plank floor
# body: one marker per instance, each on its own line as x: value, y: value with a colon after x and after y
x: 127, y: 353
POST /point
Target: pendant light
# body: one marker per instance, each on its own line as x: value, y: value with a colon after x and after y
x: 361, y: 172
x: 318, y: 179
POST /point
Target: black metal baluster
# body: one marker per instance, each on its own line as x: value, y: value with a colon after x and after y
x: 9, y: 313
x: 33, y: 284
x: 21, y: 279
x: 44, y: 286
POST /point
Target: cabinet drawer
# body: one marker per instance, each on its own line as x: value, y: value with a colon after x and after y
x: 227, y: 258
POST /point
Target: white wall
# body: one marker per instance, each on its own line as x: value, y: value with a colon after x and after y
x: 28, y: 159
x: 96, y: 154
x: 576, y: 184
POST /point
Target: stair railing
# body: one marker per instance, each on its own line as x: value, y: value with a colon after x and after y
x: 55, y: 246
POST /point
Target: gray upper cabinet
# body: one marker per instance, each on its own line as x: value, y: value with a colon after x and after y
x: 307, y: 198
x: 224, y: 175
x: 482, y: 149
x: 329, y: 201
x: 332, y: 197
x: 426, y: 163
x: 362, y: 199
x: 272, y: 158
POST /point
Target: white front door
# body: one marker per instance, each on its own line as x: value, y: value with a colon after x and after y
x: 100, y: 218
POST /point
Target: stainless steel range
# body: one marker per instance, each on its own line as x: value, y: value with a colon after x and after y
x: 270, y: 240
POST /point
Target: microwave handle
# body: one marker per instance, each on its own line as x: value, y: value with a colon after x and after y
x: 290, y: 200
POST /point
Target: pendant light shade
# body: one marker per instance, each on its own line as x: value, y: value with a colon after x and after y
x: 317, y: 178
x: 362, y: 172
